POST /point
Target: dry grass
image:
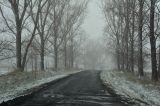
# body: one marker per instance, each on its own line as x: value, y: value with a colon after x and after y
x: 146, y: 80
x: 17, y: 79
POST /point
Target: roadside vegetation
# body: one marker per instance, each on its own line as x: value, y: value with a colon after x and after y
x: 144, y: 92
x: 41, y: 34
x: 133, y: 31
x: 17, y: 84
x: 40, y: 41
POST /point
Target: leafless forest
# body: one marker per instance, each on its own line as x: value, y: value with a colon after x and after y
x: 42, y: 41
x: 35, y: 32
x: 34, y: 29
x: 133, y: 28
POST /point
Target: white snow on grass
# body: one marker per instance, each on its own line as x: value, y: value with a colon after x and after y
x: 15, y: 84
x: 131, y: 89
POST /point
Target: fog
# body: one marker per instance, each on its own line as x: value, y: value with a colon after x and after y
x: 99, y: 57
x: 94, y: 22
x: 64, y: 50
x: 93, y: 27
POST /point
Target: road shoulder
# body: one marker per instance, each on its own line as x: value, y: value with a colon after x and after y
x: 11, y: 91
x: 133, y: 91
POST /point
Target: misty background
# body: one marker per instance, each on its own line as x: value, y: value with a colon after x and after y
x: 95, y: 54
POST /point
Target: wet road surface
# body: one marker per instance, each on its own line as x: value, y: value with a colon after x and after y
x: 81, y: 89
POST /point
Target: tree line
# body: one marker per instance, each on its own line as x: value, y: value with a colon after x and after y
x: 31, y: 28
x: 133, y: 27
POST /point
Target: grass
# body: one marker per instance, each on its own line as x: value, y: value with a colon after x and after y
x: 17, y: 78
x: 135, y: 78
x: 131, y: 85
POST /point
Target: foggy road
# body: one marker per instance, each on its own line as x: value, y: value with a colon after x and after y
x: 81, y: 89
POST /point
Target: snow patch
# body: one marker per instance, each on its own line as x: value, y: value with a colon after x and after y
x: 11, y: 91
x: 129, y: 89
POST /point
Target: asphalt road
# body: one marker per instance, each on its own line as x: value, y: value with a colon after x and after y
x: 81, y: 89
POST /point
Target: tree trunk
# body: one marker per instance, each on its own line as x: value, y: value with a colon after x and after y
x: 32, y: 63
x: 42, y: 53
x: 123, y: 58
x: 153, y: 43
x: 18, y: 21
x: 65, y: 52
x: 36, y: 68
x: 159, y: 63
x: 121, y: 49
x: 126, y: 37
x: 28, y: 45
x: 72, y: 54
x: 118, y: 60
x: 18, y: 50
x: 140, y: 42
x: 56, y: 54
x: 118, y: 53
x: 153, y: 59
x: 56, y: 60
x: 132, y: 36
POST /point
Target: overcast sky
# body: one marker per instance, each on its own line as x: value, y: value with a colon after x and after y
x: 94, y: 22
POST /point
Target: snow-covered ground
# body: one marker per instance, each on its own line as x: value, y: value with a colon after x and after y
x: 16, y: 83
x: 135, y: 90
x: 5, y: 70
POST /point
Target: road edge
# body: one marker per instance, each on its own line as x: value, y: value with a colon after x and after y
x: 30, y: 92
x: 128, y: 100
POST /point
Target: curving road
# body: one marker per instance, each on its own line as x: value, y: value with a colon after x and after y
x: 81, y: 89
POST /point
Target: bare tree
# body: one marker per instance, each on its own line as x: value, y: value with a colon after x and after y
x: 22, y: 10
x: 64, y: 16
x: 19, y: 18
x: 140, y: 39
x: 71, y: 26
x: 43, y: 29
x: 113, y: 12
x: 153, y: 41
x: 132, y: 63
x: 58, y: 8
x: 159, y: 62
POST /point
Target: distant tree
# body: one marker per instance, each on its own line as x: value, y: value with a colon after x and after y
x: 153, y: 41
x: 64, y: 16
x: 22, y: 11
x: 159, y: 62
x: 132, y: 60
x: 19, y: 18
x: 43, y: 29
x: 140, y: 38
